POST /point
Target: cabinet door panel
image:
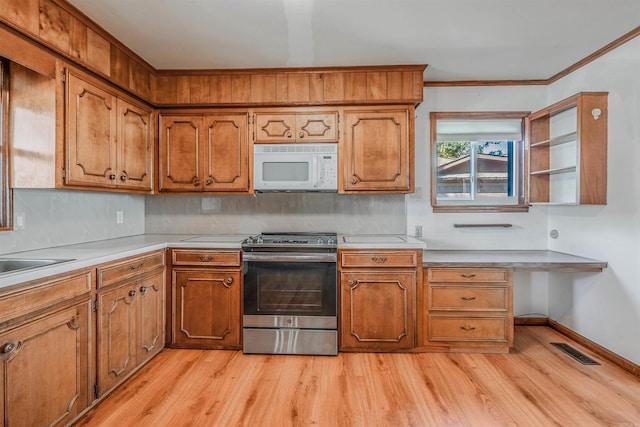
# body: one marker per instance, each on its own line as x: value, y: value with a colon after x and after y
x: 45, y: 377
x: 116, y: 336
x: 207, y: 308
x: 91, y: 138
x: 377, y: 310
x: 321, y: 127
x: 134, y: 146
x: 377, y: 151
x: 180, y: 152
x: 227, y: 153
x: 151, y: 324
x: 274, y: 128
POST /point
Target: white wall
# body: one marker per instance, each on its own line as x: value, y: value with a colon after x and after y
x: 605, y: 307
x: 59, y: 217
x: 529, y: 230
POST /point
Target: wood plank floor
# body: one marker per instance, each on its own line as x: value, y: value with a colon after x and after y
x: 534, y: 385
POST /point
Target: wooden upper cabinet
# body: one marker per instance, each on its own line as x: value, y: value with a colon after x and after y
x: 180, y: 150
x: 91, y: 134
x: 377, y: 150
x: 286, y: 127
x: 108, y: 141
x: 226, y: 152
x: 208, y: 152
x: 134, y: 146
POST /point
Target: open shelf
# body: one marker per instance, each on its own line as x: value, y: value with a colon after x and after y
x: 568, y: 151
x: 554, y: 171
x: 568, y: 137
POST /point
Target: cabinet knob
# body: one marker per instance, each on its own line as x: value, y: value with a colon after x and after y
x: 301, y: 135
x: 112, y: 176
x: 8, y: 347
x: 143, y: 289
x: 123, y: 178
x: 229, y: 280
x: 354, y: 180
x: 196, y: 183
x: 350, y: 282
x: 208, y: 182
x: 288, y: 134
x: 132, y: 293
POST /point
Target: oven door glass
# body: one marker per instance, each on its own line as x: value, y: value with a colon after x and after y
x: 290, y: 288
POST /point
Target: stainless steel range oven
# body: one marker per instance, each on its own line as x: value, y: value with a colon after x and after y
x: 290, y: 294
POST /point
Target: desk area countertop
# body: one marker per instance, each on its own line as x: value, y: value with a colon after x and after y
x: 528, y: 260
x: 85, y: 255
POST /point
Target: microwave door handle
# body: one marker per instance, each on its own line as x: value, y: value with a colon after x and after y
x: 315, y: 171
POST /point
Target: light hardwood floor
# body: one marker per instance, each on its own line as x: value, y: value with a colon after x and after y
x: 534, y: 385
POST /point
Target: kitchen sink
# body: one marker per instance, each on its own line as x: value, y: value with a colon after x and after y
x: 11, y: 265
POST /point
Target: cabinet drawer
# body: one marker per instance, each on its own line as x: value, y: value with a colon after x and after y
x: 494, y: 275
x: 129, y: 268
x: 487, y: 329
x: 379, y: 259
x: 45, y: 293
x: 200, y: 257
x: 468, y: 298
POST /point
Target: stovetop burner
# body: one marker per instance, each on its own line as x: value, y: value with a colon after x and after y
x: 284, y: 241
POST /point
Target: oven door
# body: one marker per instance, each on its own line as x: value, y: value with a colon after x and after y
x: 290, y: 290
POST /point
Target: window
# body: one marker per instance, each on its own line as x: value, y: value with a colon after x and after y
x: 477, y: 162
x: 5, y: 194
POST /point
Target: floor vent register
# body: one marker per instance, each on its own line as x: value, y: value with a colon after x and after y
x: 580, y: 357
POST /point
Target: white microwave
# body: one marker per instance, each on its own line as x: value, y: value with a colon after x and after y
x: 295, y: 167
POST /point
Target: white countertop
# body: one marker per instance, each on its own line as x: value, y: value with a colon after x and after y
x: 89, y: 254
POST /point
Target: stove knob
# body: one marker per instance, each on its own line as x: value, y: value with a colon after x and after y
x: 330, y: 241
x: 319, y: 241
x: 249, y: 240
x: 260, y: 240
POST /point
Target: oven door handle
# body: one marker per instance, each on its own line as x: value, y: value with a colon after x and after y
x: 288, y: 257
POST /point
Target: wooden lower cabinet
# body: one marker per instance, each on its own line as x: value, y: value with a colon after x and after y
x: 377, y: 299
x: 468, y: 309
x: 206, y: 297
x: 130, y: 318
x: 45, y: 377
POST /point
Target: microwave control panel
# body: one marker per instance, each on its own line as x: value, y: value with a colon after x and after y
x: 327, y: 169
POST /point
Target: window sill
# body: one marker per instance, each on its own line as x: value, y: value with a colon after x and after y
x: 479, y: 209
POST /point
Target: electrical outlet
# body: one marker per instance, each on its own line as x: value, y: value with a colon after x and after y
x: 120, y: 217
x: 20, y: 221
x: 418, y: 232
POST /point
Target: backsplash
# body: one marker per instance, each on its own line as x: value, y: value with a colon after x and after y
x: 240, y: 214
x: 62, y: 217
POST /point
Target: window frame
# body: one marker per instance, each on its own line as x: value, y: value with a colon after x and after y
x: 5, y: 192
x: 522, y: 164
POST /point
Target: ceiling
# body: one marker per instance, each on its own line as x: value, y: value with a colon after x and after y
x: 458, y: 39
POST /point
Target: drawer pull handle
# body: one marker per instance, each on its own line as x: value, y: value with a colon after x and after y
x: 135, y: 267
x: 467, y: 298
x: 206, y: 258
x: 380, y: 260
x: 468, y: 328
x: 468, y: 276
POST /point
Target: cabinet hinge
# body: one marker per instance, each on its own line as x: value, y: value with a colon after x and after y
x: 63, y: 77
x: 96, y: 390
x: 94, y: 305
x: 63, y: 173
